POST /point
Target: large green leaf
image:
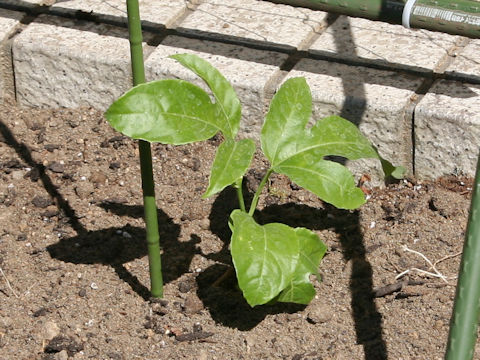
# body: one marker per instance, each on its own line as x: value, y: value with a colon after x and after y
x: 353, y: 144
x: 330, y: 181
x: 167, y: 111
x: 231, y: 162
x: 300, y: 290
x: 298, y: 151
x: 290, y: 111
x: 265, y: 257
x: 334, y: 135
x: 228, y: 105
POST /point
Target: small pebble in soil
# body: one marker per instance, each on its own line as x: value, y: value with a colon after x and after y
x: 33, y: 174
x: 319, y: 315
x: 22, y: 237
x: 438, y: 325
x: 162, y: 302
x: 115, y: 356
x: 194, y: 164
x: 82, y: 292
x: 200, y: 335
x: 17, y: 174
x: 59, y: 343
x: 98, y: 178
x: 84, y: 189
x: 197, y: 327
x: 12, y: 164
x: 73, y: 123
x: 159, y: 309
x: 41, y: 201
x: 115, y: 200
x: 49, y: 330
x: 62, y: 355
x: 204, y: 224
x: 41, y: 137
x: 56, y: 167
x: 50, y: 212
x: 94, y: 286
x: 40, y: 312
x: 51, y: 147
x: 184, y: 287
x: 193, y: 304
x: 294, y: 186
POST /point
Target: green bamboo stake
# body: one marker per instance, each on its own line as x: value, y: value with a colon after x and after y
x: 458, y: 17
x: 148, y: 188
x: 464, y: 322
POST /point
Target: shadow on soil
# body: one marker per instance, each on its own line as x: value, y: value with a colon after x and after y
x: 110, y: 246
x: 220, y: 300
x: 223, y: 299
x: 118, y: 245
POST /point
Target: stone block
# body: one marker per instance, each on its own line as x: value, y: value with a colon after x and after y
x: 466, y: 65
x: 257, y: 22
x: 9, y: 23
x: 64, y: 63
x: 249, y: 71
x: 379, y: 102
x: 154, y: 14
x: 447, y: 130
x: 363, y: 41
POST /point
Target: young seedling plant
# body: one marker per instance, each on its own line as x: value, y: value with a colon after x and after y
x: 273, y: 262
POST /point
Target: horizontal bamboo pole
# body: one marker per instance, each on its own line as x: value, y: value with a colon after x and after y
x: 457, y: 17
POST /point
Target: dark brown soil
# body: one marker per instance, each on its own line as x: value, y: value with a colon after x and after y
x: 74, y: 272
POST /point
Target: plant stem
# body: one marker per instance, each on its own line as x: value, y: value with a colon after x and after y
x: 253, y: 206
x: 148, y: 187
x: 238, y: 186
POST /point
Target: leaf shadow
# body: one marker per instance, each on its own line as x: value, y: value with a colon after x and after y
x: 226, y: 303
x: 368, y: 320
x: 116, y: 246
x: 221, y: 297
x: 220, y: 300
x: 225, y: 202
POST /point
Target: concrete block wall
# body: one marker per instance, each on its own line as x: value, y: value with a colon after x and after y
x: 10, y: 22
x: 413, y: 93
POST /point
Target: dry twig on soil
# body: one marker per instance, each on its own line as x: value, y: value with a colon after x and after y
x: 436, y: 273
x: 8, y: 283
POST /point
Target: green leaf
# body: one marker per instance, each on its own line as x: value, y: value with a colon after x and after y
x: 312, y: 249
x: 231, y: 162
x: 330, y: 181
x: 265, y: 257
x: 274, y: 261
x: 167, y: 111
x: 334, y: 135
x: 228, y: 105
x: 290, y: 111
x: 298, y: 151
x: 397, y: 172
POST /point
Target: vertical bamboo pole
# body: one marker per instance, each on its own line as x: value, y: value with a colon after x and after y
x: 464, y: 322
x: 148, y: 188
